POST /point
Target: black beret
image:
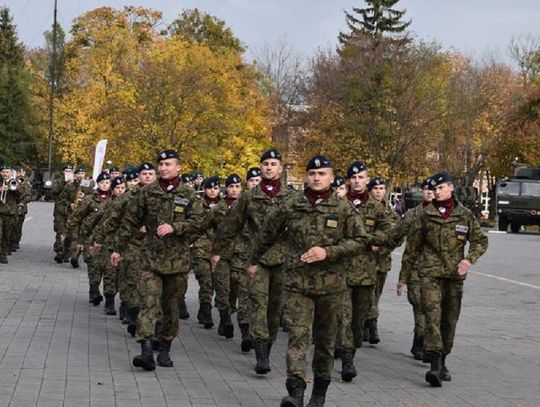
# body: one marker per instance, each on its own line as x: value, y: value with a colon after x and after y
x: 317, y: 162
x: 272, y: 153
x: 425, y: 183
x: 185, y: 177
x: 253, y: 172
x: 117, y: 181
x: 103, y: 176
x: 67, y: 167
x: 5, y: 167
x: 438, y: 179
x: 233, y: 179
x: 146, y: 166
x: 81, y: 168
x: 211, y: 182
x: 131, y: 174
x: 338, y: 181
x: 114, y: 169
x: 356, y: 168
x: 196, y: 174
x: 166, y: 154
x: 374, y: 182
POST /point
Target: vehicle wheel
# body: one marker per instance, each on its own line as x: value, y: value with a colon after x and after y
x: 514, y: 227
x: 503, y: 224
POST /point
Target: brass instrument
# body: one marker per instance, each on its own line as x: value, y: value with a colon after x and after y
x: 11, y: 184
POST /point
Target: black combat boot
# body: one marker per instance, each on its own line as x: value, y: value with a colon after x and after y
x: 226, y: 324
x: 3, y: 260
x: 146, y: 358
x: 163, y: 358
x: 417, y: 349
x: 373, y: 332
x: 348, y: 371
x: 183, y: 312
x: 74, y: 262
x: 295, y: 387
x: 444, y: 373
x: 205, y: 315
x: 95, y: 295
x: 433, y: 376
x: 58, y: 258
x: 66, y: 257
x: 318, y: 396
x: 261, y: 354
x: 109, y: 304
x: 132, y: 314
x: 247, y: 343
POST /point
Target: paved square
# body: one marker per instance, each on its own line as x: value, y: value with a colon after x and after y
x: 57, y: 350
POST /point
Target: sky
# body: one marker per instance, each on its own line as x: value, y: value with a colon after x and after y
x: 475, y: 27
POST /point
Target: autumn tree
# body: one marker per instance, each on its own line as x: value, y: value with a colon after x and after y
x: 16, y: 112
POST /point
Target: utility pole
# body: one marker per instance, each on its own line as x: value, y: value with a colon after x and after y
x: 53, y: 89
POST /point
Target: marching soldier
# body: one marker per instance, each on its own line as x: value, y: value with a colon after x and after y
x: 165, y: 209
x: 408, y: 275
x: 322, y: 231
x: 82, y: 223
x: 340, y: 186
x: 253, y: 177
x: 377, y: 189
x: 361, y: 270
x: 442, y: 232
x: 265, y: 290
x: 60, y: 212
x: 25, y: 189
x: 9, y: 203
x: 201, y: 252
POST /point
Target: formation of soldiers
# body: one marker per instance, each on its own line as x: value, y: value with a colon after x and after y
x: 15, y: 193
x: 273, y: 255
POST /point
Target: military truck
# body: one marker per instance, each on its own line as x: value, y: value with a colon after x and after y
x: 518, y: 199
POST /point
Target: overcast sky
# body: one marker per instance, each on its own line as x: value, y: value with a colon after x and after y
x: 475, y: 27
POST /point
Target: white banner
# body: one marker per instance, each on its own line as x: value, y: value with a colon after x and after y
x: 101, y: 148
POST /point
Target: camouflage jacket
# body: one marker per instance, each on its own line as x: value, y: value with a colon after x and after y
x: 409, y: 267
x: 26, y: 195
x: 251, y: 210
x: 109, y: 220
x: 202, y: 248
x: 85, y: 218
x: 331, y: 224
x: 362, y: 268
x: 439, y: 244
x: 57, y: 189
x: 153, y: 207
x: 70, y: 192
x: 384, y: 255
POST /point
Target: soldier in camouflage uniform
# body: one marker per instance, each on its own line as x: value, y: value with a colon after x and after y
x: 361, y: 272
x: 165, y: 209
x: 377, y: 189
x: 340, y: 186
x: 442, y: 232
x: 408, y: 275
x: 102, y: 258
x: 25, y: 189
x: 82, y: 223
x: 321, y: 231
x: 8, y: 212
x: 266, y: 289
x: 201, y: 252
x: 72, y: 196
x: 60, y: 214
x: 130, y: 266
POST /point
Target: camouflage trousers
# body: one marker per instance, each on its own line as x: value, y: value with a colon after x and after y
x: 19, y: 222
x: 379, y: 286
x: 129, y: 276
x: 59, y: 226
x: 203, y: 274
x: 413, y: 295
x: 102, y: 261
x: 230, y: 281
x: 308, y: 318
x: 265, y: 295
x: 95, y: 273
x: 6, y: 223
x: 441, y: 303
x: 354, y: 309
x: 160, y: 294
